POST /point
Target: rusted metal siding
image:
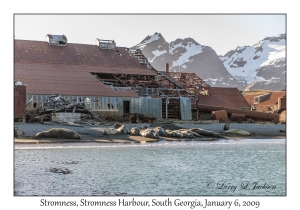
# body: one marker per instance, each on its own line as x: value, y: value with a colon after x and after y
x: 220, y: 115
x: 20, y: 102
x: 185, y: 108
x: 282, y: 103
x: 149, y: 106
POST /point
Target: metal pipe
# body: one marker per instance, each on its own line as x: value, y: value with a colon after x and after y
x: 249, y: 114
x: 167, y: 101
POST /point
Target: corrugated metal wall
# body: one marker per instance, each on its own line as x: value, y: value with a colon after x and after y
x: 20, y: 102
x: 185, y: 108
x: 150, y: 106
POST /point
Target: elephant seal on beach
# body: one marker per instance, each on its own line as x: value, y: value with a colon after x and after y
x: 135, y: 131
x: 226, y: 127
x: 150, y: 133
x: 117, y: 125
x: 204, y: 132
x: 18, y: 132
x: 145, y: 126
x: 123, y: 129
x: 170, y: 133
x: 61, y: 133
x: 178, y: 133
x: 196, y: 134
x: 110, y: 131
x: 186, y: 133
x: 238, y: 132
x: 160, y: 131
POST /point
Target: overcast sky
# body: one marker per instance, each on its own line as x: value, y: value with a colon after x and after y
x: 221, y: 32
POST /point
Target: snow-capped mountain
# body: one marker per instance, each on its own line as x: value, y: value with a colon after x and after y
x: 262, y: 65
x: 187, y: 55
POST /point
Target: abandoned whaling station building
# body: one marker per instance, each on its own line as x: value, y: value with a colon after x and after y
x: 110, y: 80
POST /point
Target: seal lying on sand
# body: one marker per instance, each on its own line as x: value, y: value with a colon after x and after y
x: 170, y: 133
x: 150, y: 133
x: 135, y: 131
x: 172, y: 127
x: 204, y: 132
x: 160, y: 131
x: 123, y: 129
x: 61, y: 133
x: 110, y: 131
x: 178, y: 133
x: 196, y: 134
x: 117, y: 125
x: 145, y: 126
x: 186, y: 133
x: 238, y: 132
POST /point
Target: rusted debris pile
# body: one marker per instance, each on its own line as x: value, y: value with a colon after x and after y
x: 55, y: 104
x: 138, y: 118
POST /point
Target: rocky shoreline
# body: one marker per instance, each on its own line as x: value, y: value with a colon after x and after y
x: 93, y: 133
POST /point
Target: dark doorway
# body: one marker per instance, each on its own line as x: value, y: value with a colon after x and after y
x: 126, y: 107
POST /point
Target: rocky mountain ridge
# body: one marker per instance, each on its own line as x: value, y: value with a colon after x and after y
x: 261, y: 66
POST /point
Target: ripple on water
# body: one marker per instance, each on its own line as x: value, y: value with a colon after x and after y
x: 164, y: 168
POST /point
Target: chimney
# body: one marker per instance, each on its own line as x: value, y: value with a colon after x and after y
x: 167, y: 67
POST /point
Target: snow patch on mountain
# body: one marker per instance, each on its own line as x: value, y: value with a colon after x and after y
x: 190, y: 50
x: 245, y: 62
x: 156, y: 54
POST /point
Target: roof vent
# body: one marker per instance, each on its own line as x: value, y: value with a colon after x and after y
x: 57, y: 40
x: 106, y: 44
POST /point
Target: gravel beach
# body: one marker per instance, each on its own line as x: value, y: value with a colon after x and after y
x: 89, y: 132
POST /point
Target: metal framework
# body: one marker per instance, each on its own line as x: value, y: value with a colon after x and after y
x: 193, y: 84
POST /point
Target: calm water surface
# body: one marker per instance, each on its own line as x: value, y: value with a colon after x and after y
x: 224, y: 167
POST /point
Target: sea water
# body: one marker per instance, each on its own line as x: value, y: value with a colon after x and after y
x: 223, y: 167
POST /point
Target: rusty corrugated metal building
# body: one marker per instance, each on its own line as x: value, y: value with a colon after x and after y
x: 268, y: 102
x: 76, y: 71
x: 224, y: 97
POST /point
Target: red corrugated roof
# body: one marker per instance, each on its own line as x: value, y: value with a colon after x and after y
x: 224, y: 97
x: 250, y: 98
x: 63, y: 79
x: 272, y: 99
x: 66, y: 70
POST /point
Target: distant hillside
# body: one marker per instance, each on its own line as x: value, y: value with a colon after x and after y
x: 261, y: 66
